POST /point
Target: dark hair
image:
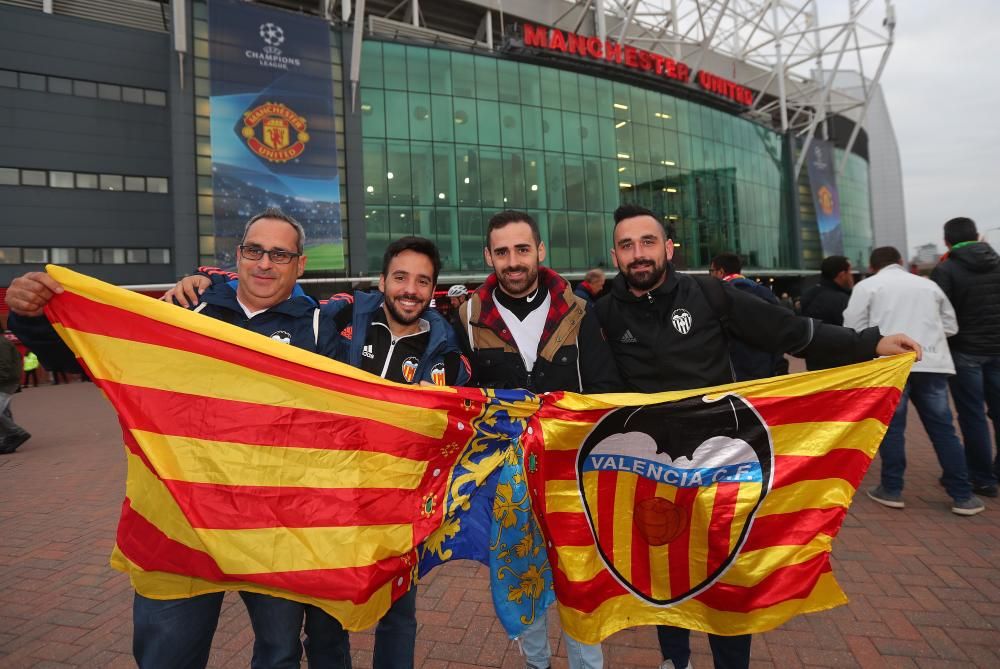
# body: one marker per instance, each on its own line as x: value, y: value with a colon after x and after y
x: 275, y: 212
x: 959, y: 230
x: 833, y: 266
x: 418, y: 245
x: 632, y: 210
x: 508, y: 216
x: 884, y: 256
x: 730, y: 263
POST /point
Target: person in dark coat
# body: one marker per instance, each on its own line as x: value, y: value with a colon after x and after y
x: 827, y: 300
x: 592, y: 286
x: 748, y: 362
x: 970, y: 276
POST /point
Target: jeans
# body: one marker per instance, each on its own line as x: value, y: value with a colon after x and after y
x: 177, y: 633
x: 538, y: 654
x: 728, y: 652
x: 977, y: 383
x: 277, y: 628
x: 929, y: 393
x: 174, y: 633
x: 396, y: 634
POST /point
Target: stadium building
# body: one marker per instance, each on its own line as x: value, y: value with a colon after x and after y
x: 136, y: 136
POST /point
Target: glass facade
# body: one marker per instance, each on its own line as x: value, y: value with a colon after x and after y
x: 855, y: 208
x: 450, y: 138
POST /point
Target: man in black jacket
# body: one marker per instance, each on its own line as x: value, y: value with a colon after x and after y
x: 827, y: 300
x: 524, y: 328
x: 670, y: 331
x: 970, y: 277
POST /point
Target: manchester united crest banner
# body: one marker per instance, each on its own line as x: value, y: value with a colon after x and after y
x: 272, y: 126
x: 826, y: 199
x: 711, y: 509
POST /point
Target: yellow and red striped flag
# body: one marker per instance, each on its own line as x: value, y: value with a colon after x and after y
x: 254, y: 465
x: 711, y: 509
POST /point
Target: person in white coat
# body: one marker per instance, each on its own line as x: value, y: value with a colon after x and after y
x: 897, y: 301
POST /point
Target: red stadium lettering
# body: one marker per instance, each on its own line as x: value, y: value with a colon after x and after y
x: 613, y: 51
x: 631, y: 57
x: 535, y: 36
x: 557, y: 41
x: 645, y: 60
x: 595, y: 47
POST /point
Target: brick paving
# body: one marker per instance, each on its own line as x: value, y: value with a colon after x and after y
x: 924, y: 584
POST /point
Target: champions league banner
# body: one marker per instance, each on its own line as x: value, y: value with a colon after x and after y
x: 273, y: 137
x: 826, y: 199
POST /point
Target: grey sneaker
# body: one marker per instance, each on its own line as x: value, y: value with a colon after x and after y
x: 669, y: 664
x: 893, y: 500
x: 968, y: 507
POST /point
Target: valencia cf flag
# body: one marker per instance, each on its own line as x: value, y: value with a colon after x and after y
x: 711, y: 509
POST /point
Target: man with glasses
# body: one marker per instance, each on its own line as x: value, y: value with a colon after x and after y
x: 265, y: 298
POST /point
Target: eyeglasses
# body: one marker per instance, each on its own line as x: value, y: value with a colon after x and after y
x: 277, y: 256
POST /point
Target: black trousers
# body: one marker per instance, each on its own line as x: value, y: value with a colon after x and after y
x: 729, y: 652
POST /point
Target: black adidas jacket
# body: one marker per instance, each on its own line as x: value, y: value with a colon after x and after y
x: 676, y: 337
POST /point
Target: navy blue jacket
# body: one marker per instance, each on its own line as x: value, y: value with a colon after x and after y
x: 749, y: 362
x: 365, y: 305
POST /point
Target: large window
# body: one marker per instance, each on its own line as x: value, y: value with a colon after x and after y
x: 451, y: 138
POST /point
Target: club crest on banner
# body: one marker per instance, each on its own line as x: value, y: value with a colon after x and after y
x: 268, y: 131
x: 670, y: 491
x: 410, y: 368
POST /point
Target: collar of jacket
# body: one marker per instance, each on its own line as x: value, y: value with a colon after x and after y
x: 561, y: 300
x: 224, y: 295
x: 620, y: 289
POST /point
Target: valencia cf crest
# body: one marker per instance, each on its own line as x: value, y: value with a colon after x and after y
x: 438, y: 374
x: 274, y: 132
x: 671, y: 490
x: 410, y: 368
x: 282, y: 336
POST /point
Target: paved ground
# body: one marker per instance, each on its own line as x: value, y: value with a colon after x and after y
x: 924, y: 584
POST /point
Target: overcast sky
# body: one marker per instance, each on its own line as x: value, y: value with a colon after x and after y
x: 942, y: 86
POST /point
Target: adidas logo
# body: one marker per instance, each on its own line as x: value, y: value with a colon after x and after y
x: 368, y: 351
x: 627, y: 338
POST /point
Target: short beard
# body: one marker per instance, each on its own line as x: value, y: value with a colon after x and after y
x: 400, y: 318
x: 647, y: 283
x: 530, y: 276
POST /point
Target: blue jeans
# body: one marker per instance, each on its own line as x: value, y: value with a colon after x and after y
x: 174, y: 633
x: 396, y: 634
x: 538, y: 654
x: 177, y: 633
x: 929, y: 393
x: 277, y: 628
x: 728, y: 652
x: 977, y: 384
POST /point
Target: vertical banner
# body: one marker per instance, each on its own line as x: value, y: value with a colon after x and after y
x: 273, y: 136
x: 826, y: 200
